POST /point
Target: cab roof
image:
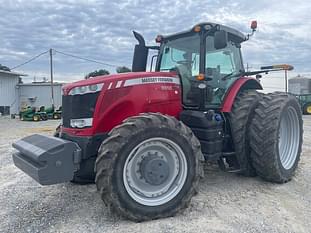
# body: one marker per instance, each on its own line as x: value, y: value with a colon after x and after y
x: 233, y: 34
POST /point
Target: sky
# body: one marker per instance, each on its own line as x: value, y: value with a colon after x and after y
x: 102, y: 30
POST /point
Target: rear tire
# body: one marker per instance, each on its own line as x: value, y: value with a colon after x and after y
x: 44, y: 117
x: 56, y: 116
x: 133, y: 193
x: 276, y: 137
x: 240, y: 118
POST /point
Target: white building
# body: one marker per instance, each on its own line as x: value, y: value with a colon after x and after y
x: 15, y: 95
x: 299, y: 85
x: 8, y: 92
x: 39, y: 94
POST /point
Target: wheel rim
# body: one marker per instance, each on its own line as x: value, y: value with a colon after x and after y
x: 155, y: 171
x: 289, y: 138
x: 309, y: 109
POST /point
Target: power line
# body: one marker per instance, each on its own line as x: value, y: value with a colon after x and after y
x: 85, y: 59
x: 30, y: 60
x: 66, y: 54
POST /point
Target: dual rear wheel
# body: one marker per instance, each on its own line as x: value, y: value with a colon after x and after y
x: 267, y: 134
x: 276, y: 137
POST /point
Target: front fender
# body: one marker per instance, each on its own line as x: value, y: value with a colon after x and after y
x: 239, y: 85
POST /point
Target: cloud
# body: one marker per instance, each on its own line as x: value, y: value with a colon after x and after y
x: 101, y: 30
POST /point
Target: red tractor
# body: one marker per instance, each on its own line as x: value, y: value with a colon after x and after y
x: 143, y: 136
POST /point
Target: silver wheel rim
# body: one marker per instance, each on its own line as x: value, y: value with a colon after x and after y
x: 136, y: 184
x: 289, y: 138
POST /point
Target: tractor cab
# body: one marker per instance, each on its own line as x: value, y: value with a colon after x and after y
x: 207, y: 58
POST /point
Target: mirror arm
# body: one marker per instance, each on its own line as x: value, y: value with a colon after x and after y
x: 153, y: 47
x: 249, y: 35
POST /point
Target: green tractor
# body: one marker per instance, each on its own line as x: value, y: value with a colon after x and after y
x: 29, y: 114
x: 305, y: 103
x: 53, y: 113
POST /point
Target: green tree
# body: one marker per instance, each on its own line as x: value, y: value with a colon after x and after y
x: 5, y: 68
x: 123, y: 69
x: 97, y: 73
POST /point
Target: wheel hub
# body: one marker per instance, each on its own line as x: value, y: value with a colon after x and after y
x: 154, y: 169
x: 289, y: 138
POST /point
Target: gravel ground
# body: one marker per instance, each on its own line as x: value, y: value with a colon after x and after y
x: 225, y: 203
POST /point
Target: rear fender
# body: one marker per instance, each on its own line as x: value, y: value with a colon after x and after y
x: 239, y: 85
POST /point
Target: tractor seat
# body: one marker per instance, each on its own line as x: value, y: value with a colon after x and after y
x: 213, y: 74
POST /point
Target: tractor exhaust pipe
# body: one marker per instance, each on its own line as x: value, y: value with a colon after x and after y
x: 140, y: 54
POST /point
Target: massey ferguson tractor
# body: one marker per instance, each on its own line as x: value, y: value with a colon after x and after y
x: 143, y: 136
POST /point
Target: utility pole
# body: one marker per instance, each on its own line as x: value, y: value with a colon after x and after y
x: 51, y: 69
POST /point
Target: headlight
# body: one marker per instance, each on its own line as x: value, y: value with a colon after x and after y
x: 73, y: 91
x: 93, y: 87
x: 86, y: 89
x: 81, y: 123
x: 82, y: 89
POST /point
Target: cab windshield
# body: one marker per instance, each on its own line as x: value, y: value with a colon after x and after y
x: 221, y: 66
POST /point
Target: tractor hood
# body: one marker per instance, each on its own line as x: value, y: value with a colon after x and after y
x: 117, y: 79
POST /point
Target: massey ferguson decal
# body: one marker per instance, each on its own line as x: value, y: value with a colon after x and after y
x: 156, y: 80
x: 148, y: 80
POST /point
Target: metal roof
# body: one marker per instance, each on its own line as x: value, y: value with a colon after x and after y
x: 12, y: 73
x: 40, y: 84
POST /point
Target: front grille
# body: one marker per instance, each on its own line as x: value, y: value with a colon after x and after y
x: 78, y: 106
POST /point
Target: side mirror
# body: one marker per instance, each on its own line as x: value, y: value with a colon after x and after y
x: 140, y: 54
x: 220, y: 39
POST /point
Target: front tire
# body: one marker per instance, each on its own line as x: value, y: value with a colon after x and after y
x: 276, y: 137
x: 36, y: 118
x: 149, y: 167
